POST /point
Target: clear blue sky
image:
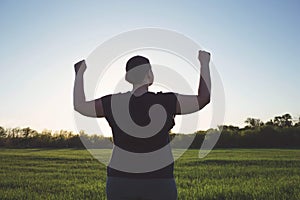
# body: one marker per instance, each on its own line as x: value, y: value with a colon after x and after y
x: 254, y: 45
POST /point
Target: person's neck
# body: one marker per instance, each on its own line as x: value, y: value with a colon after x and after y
x: 138, y: 90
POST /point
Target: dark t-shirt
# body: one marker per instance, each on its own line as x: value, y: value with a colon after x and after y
x: 139, y: 107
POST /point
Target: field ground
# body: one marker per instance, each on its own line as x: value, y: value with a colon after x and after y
x: 223, y: 174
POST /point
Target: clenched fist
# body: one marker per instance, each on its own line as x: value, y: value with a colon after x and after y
x: 204, y: 57
x: 80, y: 66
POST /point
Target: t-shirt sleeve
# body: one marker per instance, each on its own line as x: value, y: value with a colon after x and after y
x: 105, y: 101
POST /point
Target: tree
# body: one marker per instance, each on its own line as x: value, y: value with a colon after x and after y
x: 287, y: 119
x: 252, y: 122
x: 283, y: 121
x: 15, y: 132
x: 2, y: 132
x: 270, y: 123
x: 26, y: 132
x: 9, y: 132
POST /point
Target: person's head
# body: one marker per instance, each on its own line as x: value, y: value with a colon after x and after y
x: 138, y: 71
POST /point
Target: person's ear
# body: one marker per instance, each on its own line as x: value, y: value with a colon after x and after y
x: 150, y: 77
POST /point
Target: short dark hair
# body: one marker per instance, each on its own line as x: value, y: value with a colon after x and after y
x: 137, y: 76
x: 136, y: 61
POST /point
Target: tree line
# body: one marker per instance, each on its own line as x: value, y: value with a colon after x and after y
x: 280, y: 132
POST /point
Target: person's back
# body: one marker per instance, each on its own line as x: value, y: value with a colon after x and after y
x: 141, y: 165
x: 148, y: 140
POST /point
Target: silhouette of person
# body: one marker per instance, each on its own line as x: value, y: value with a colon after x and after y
x: 122, y: 182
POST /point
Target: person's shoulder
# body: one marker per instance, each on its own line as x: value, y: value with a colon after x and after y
x: 168, y: 99
x: 115, y: 97
x: 166, y: 93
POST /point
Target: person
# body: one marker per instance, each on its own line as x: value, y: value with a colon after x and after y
x: 136, y: 110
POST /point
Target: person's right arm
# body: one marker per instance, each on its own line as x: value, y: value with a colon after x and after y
x: 192, y: 103
x: 93, y: 108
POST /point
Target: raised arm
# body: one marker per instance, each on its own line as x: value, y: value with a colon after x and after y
x: 87, y: 108
x: 191, y: 103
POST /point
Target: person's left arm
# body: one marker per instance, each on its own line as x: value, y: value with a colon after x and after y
x: 92, y: 108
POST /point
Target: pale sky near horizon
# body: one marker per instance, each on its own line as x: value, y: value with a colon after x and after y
x: 254, y: 46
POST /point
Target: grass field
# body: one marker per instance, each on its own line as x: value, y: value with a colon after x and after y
x: 223, y: 174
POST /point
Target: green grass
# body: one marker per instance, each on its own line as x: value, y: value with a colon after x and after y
x: 223, y: 174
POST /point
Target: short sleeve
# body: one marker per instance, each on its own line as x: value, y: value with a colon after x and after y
x: 105, y: 103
